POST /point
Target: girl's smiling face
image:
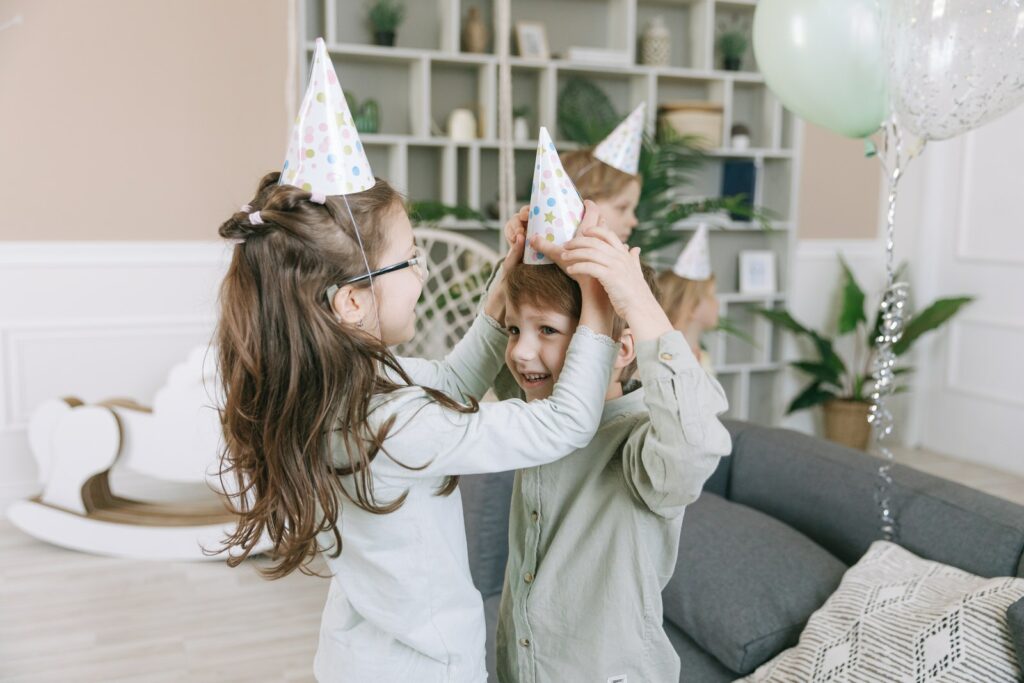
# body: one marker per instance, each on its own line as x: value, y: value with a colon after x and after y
x: 619, y: 211
x: 537, y: 343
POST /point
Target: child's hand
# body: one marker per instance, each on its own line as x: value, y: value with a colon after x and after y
x: 598, y: 253
x: 495, y: 304
x: 591, y: 218
x: 516, y: 225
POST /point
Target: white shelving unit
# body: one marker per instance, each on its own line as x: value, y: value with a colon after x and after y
x: 425, y: 76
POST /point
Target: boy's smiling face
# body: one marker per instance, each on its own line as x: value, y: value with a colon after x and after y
x: 537, y: 343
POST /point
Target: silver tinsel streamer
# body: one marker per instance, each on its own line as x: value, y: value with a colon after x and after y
x: 892, y: 311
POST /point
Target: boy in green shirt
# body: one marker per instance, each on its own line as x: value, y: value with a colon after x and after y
x: 593, y: 537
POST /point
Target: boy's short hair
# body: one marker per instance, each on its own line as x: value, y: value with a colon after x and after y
x: 548, y: 287
x: 594, y: 179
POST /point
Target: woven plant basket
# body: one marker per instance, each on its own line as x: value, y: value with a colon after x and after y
x: 846, y: 422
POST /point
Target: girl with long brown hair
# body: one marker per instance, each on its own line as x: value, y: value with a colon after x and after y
x: 337, y: 447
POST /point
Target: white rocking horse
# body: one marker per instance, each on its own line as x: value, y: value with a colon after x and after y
x: 178, y: 440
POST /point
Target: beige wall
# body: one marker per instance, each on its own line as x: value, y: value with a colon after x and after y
x: 138, y: 119
x: 839, y: 188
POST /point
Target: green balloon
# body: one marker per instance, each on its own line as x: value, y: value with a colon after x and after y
x: 825, y: 61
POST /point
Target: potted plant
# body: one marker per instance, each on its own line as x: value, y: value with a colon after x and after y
x: 385, y: 17
x: 842, y: 388
x: 732, y: 45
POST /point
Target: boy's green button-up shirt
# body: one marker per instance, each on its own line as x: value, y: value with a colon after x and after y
x: 593, y: 537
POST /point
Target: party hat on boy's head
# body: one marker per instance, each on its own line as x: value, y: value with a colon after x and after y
x: 695, y: 261
x: 555, y: 206
x: 621, y: 149
x: 325, y: 155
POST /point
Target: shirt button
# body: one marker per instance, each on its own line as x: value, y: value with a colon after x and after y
x: 528, y: 577
x: 667, y: 356
x: 534, y: 515
x: 525, y: 642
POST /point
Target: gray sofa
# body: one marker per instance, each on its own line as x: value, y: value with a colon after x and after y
x: 768, y: 541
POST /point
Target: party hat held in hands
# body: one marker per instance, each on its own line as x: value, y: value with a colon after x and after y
x: 695, y: 261
x: 621, y: 149
x: 325, y: 155
x: 555, y: 206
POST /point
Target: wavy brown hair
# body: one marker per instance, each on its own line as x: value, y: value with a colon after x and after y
x: 298, y: 384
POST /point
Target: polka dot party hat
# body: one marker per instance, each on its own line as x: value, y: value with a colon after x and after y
x: 555, y: 206
x: 325, y: 155
x: 695, y: 261
x: 621, y: 149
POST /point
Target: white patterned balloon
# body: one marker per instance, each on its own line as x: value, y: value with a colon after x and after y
x: 955, y: 64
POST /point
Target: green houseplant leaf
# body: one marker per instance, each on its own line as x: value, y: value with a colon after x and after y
x: 927, y: 320
x: 811, y: 396
x: 852, y: 311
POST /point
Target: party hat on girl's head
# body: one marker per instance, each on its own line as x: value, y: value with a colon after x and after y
x: 555, y: 206
x: 325, y: 155
x: 621, y: 149
x: 695, y: 261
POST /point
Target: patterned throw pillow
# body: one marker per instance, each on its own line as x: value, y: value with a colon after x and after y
x: 897, y: 617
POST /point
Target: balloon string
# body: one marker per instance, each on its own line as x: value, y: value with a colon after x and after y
x: 892, y: 310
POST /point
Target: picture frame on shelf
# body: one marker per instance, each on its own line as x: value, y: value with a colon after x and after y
x: 757, y: 272
x: 532, y: 40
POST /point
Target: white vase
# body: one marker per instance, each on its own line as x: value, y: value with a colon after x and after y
x: 656, y: 43
x: 462, y: 125
x: 521, y: 129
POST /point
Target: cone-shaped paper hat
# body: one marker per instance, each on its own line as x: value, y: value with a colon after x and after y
x: 555, y: 206
x: 325, y: 155
x: 621, y: 149
x: 695, y: 261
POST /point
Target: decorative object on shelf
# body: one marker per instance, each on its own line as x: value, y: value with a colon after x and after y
x: 325, y: 155
x: 701, y: 121
x: 656, y: 43
x: 367, y: 116
x: 739, y: 178
x: 462, y: 125
x: 694, y: 262
x: 739, y: 136
x: 825, y: 61
x: 520, y: 124
x: 597, y: 55
x: 757, y: 272
x: 475, y: 33
x: 555, y: 206
x: 385, y: 18
x: 832, y: 379
x: 733, y: 46
x: 585, y: 114
x: 532, y: 40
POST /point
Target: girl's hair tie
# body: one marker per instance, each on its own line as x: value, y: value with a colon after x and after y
x: 255, y: 218
x: 318, y: 198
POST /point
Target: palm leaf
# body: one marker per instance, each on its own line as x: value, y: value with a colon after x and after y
x: 927, y: 320
x: 811, y: 396
x: 852, y: 311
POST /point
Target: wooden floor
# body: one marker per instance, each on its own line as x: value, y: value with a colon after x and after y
x: 76, y: 618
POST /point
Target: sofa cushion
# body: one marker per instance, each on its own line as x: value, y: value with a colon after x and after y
x: 897, y: 617
x: 745, y: 584
x: 695, y: 664
x: 1015, y: 618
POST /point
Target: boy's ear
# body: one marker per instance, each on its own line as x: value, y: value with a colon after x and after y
x: 352, y: 305
x: 627, y: 350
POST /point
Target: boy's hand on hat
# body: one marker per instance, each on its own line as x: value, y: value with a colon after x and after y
x: 599, y: 253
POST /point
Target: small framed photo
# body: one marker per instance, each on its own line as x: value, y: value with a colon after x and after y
x: 757, y: 272
x: 532, y: 40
